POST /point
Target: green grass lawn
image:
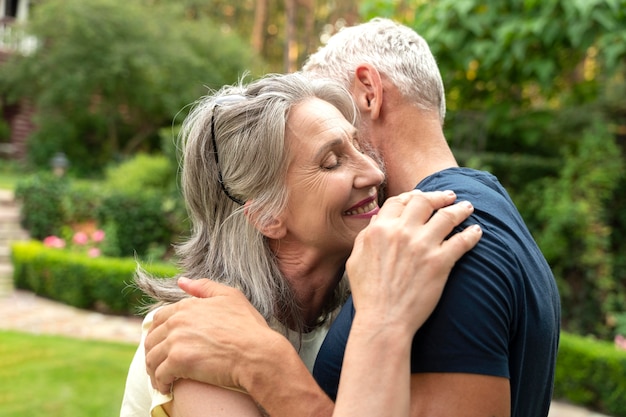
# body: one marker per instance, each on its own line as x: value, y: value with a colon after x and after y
x: 57, y: 376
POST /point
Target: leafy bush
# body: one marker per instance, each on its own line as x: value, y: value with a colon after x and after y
x: 41, y: 198
x: 135, y: 221
x: 591, y: 373
x: 80, y: 281
x: 138, y: 206
x: 81, y: 201
x: 140, y: 210
x: 142, y: 172
x: 570, y: 215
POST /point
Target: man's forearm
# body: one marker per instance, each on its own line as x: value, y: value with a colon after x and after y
x: 278, y: 380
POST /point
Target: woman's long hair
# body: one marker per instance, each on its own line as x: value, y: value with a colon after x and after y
x: 248, y: 122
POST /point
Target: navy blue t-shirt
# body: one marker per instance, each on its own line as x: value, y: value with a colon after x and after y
x: 499, y: 313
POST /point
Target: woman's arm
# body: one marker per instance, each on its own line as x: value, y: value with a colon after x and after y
x: 197, y: 399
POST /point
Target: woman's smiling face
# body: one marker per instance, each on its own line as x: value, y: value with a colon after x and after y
x: 332, y: 185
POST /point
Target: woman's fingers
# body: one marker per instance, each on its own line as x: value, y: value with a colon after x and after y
x: 423, y: 204
x: 401, y: 261
x: 460, y: 243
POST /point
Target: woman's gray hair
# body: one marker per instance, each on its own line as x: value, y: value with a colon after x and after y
x: 396, y: 51
x: 249, y: 124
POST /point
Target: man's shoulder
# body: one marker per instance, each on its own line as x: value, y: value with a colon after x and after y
x: 460, y: 179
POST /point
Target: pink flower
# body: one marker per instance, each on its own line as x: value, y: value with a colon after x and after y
x: 54, y: 242
x: 81, y: 238
x: 620, y: 341
x: 98, y: 235
x: 93, y: 252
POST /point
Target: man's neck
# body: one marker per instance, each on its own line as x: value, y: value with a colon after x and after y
x: 416, y: 152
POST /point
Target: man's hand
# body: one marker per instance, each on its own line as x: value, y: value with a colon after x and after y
x: 206, y: 339
x: 222, y: 340
x: 401, y: 261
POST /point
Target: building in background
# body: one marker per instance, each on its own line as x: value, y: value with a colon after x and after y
x: 15, y: 118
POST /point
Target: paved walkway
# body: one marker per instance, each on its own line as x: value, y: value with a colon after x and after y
x: 25, y: 312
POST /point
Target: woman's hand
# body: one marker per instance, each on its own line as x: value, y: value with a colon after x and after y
x: 401, y: 261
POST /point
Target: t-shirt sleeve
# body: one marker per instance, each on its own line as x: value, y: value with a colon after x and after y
x: 140, y: 399
x: 468, y: 331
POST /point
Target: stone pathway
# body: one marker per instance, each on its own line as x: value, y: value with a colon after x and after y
x: 10, y: 230
x: 25, y: 312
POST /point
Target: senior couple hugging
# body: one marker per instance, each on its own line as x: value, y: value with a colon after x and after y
x: 334, y: 289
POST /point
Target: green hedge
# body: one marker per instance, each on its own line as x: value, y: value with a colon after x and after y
x: 591, y: 373
x: 75, y: 279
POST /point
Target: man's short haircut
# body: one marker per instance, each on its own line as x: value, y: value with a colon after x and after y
x: 396, y: 51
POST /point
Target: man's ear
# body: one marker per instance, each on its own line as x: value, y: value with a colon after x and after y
x: 368, y: 90
x: 272, y: 229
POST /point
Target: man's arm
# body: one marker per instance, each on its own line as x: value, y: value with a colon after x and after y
x: 233, y: 348
x: 455, y: 394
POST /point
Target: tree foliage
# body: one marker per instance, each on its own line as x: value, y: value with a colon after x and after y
x: 532, y: 92
x: 283, y: 32
x: 107, y: 74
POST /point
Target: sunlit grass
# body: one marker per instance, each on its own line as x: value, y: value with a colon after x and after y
x: 58, y: 376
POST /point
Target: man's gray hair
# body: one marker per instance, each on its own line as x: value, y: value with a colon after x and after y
x: 249, y: 124
x: 396, y: 51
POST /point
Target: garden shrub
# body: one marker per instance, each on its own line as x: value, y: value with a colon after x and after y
x: 41, y: 198
x: 75, y: 279
x: 135, y: 221
x: 590, y: 372
x: 138, y: 206
x: 141, y: 172
x: 141, y: 209
x: 81, y: 201
x: 571, y: 218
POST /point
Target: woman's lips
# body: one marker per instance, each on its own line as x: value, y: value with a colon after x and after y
x: 365, y: 207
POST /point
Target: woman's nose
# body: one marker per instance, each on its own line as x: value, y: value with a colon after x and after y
x: 370, y: 173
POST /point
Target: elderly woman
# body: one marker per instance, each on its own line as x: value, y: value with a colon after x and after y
x: 277, y: 190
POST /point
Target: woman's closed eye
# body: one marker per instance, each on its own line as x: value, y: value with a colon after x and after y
x: 331, y: 161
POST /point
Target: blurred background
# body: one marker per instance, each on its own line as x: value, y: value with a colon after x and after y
x: 92, y: 92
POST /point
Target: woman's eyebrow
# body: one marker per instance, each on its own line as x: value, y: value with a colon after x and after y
x: 329, y: 145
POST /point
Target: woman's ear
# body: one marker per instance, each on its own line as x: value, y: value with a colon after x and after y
x: 368, y: 90
x: 272, y: 229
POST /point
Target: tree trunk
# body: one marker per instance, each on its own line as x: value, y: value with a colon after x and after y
x: 309, y: 38
x: 258, y: 29
x: 291, y: 42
